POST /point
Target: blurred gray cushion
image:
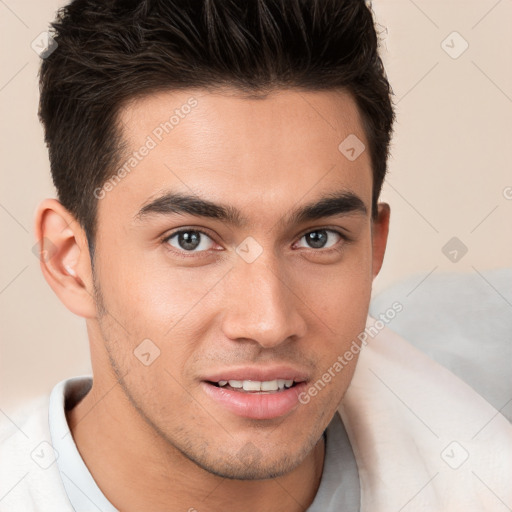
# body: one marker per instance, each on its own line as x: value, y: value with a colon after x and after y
x: 462, y: 321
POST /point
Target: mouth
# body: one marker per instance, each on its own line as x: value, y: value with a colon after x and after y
x: 255, y: 386
x: 256, y: 393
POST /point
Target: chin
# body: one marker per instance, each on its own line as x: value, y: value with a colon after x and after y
x: 251, y: 463
x: 261, y: 470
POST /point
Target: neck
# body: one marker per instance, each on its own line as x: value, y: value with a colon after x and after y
x: 136, y: 469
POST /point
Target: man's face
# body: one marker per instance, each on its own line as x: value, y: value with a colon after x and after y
x: 251, y: 293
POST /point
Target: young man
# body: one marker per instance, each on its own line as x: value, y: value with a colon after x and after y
x: 218, y: 168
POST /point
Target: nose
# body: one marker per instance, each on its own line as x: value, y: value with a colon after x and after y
x: 263, y: 304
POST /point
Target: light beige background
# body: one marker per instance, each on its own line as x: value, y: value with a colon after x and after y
x: 450, y: 171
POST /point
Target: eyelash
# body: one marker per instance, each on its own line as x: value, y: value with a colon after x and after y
x: 190, y: 254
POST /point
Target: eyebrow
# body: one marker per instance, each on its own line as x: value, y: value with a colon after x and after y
x: 334, y: 204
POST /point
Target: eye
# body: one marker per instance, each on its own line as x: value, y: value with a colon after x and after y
x: 190, y: 240
x: 322, y: 238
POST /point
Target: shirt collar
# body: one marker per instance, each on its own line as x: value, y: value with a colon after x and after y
x: 83, y: 492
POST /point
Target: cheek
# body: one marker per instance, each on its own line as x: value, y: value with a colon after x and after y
x: 340, y: 294
x: 172, y: 308
x: 339, y: 299
x: 154, y: 293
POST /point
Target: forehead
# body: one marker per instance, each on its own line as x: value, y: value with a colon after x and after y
x: 260, y: 154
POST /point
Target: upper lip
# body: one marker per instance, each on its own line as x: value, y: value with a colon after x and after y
x: 256, y: 373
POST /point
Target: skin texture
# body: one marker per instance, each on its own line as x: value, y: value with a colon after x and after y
x: 149, y: 434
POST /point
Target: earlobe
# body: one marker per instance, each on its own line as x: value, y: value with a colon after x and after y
x: 380, y: 231
x: 64, y: 257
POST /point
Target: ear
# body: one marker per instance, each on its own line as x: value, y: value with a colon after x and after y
x: 380, y: 230
x: 64, y: 257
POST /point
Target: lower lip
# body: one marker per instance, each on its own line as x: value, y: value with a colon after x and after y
x: 257, y: 406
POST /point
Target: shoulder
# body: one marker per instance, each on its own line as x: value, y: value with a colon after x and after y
x: 413, y: 424
x: 463, y: 322
x: 25, y: 416
x: 29, y: 478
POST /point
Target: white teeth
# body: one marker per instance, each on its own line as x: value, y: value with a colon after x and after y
x: 269, y: 385
x: 255, y: 385
x: 252, y: 385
